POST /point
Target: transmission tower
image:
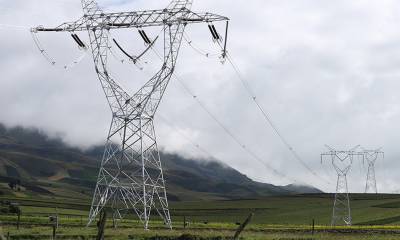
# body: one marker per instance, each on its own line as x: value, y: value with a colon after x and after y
x: 131, y: 178
x: 341, y: 162
x: 371, y: 156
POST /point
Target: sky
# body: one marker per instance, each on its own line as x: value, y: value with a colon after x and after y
x: 326, y: 72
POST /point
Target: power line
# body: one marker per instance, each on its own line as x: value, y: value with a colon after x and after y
x: 269, y: 121
x: 247, y: 87
x: 230, y: 133
x: 264, y: 113
x: 227, y: 130
x: 196, y: 145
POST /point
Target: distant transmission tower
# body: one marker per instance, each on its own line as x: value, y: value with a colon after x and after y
x: 371, y: 156
x: 131, y: 178
x: 342, y: 162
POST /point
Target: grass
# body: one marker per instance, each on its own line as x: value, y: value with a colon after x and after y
x: 284, y: 217
x: 213, y: 232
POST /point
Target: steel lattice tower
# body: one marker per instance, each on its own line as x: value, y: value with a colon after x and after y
x: 342, y: 162
x: 131, y: 178
x: 371, y: 156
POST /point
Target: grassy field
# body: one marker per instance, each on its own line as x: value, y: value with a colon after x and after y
x: 285, y: 217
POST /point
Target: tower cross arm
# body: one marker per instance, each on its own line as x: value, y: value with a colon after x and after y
x: 137, y: 19
x: 79, y: 25
x: 202, y: 17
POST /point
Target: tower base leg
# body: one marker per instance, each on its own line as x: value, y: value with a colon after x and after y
x: 131, y: 179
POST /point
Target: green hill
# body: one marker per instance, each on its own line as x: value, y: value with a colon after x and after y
x: 46, y: 166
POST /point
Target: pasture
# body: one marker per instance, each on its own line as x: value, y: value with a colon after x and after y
x: 280, y: 217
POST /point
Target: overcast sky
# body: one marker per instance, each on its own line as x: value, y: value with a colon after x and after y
x: 326, y: 71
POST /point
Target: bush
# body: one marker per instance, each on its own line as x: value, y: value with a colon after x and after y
x: 14, y: 209
x: 4, y: 210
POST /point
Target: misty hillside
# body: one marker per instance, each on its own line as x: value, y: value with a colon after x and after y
x: 50, y: 167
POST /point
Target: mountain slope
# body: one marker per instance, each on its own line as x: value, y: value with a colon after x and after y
x: 48, y: 166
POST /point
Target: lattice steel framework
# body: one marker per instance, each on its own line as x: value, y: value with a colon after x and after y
x: 131, y: 176
x: 371, y: 156
x: 342, y: 162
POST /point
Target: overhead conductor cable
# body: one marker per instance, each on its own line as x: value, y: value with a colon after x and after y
x: 229, y: 132
x: 266, y: 116
x: 134, y: 59
x: 123, y: 51
x: 253, y: 97
x: 268, y: 119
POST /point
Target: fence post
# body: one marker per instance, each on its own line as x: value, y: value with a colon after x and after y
x: 54, y: 231
x: 101, y: 225
x: 19, y: 218
x: 313, y: 226
x: 114, y: 221
x: 54, y: 223
x: 242, y: 226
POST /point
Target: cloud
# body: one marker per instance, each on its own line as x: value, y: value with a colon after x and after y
x: 327, y: 72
